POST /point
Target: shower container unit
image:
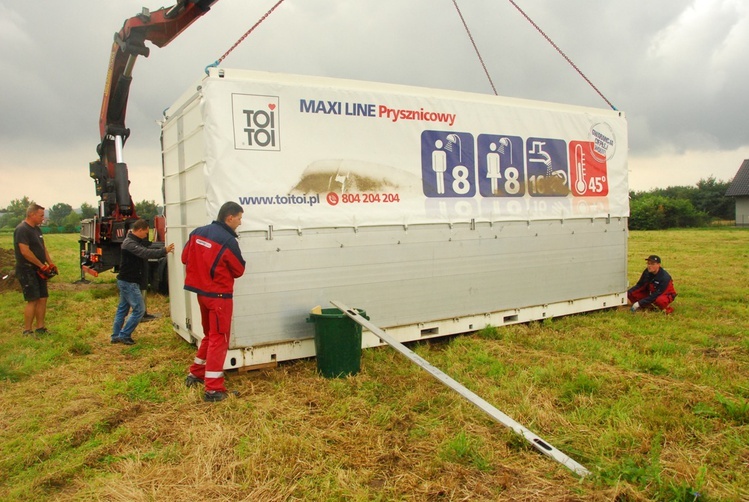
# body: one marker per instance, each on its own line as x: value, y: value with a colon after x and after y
x: 438, y: 212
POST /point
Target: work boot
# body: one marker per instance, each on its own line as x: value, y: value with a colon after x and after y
x: 192, y: 381
x: 213, y: 396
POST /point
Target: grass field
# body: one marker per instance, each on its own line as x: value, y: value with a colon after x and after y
x: 655, y: 406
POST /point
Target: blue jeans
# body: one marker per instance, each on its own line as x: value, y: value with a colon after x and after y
x: 130, y: 297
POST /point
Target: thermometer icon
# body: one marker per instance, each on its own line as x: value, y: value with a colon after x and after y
x: 580, y: 184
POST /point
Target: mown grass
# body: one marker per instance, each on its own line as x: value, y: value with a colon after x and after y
x: 656, y: 407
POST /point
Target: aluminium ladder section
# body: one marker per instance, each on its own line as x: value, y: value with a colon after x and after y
x: 538, y: 443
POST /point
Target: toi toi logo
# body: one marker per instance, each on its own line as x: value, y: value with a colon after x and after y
x: 256, y: 122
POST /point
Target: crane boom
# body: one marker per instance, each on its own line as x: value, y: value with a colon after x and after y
x: 101, y: 237
x: 159, y: 27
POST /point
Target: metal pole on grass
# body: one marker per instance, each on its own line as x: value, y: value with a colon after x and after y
x: 538, y: 443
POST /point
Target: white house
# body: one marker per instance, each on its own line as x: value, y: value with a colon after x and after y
x: 739, y: 189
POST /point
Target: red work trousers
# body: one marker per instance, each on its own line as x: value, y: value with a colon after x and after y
x: 662, y: 302
x: 215, y: 315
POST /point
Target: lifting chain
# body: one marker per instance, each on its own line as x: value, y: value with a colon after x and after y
x: 246, y: 34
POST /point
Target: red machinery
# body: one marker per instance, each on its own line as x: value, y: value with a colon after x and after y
x: 102, y: 236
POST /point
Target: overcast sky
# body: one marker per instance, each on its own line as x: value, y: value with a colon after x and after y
x: 679, y: 69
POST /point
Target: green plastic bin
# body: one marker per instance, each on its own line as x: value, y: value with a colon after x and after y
x: 337, y: 343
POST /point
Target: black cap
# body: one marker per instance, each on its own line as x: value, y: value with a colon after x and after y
x: 654, y: 258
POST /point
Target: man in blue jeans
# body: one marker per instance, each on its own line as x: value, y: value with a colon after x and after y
x: 135, y: 248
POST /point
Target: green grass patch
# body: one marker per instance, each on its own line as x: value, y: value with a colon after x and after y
x: 655, y: 406
x: 466, y: 449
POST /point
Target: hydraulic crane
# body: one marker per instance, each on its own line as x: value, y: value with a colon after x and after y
x: 102, y: 236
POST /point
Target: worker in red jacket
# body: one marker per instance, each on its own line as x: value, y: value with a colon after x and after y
x: 655, y: 287
x: 213, y: 260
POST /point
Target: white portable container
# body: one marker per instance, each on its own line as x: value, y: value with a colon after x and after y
x: 438, y: 212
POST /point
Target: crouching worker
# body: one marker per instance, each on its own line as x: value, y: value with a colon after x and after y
x: 213, y: 260
x: 655, y: 287
x: 135, y: 249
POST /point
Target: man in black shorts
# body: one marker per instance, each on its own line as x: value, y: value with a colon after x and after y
x: 33, y: 267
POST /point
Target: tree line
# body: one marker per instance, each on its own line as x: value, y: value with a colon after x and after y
x: 62, y: 217
x: 660, y: 208
x: 681, y: 206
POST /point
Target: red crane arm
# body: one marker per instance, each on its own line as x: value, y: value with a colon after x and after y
x: 159, y: 27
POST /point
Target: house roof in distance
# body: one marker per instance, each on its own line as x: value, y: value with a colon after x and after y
x: 740, y: 184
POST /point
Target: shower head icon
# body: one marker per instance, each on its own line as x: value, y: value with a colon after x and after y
x: 453, y: 141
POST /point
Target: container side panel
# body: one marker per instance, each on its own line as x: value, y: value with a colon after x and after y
x: 418, y: 275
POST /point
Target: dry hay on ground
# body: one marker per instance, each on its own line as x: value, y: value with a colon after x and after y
x: 8, y: 280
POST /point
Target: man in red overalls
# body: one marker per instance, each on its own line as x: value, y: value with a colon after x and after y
x: 213, y: 260
x: 655, y: 287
